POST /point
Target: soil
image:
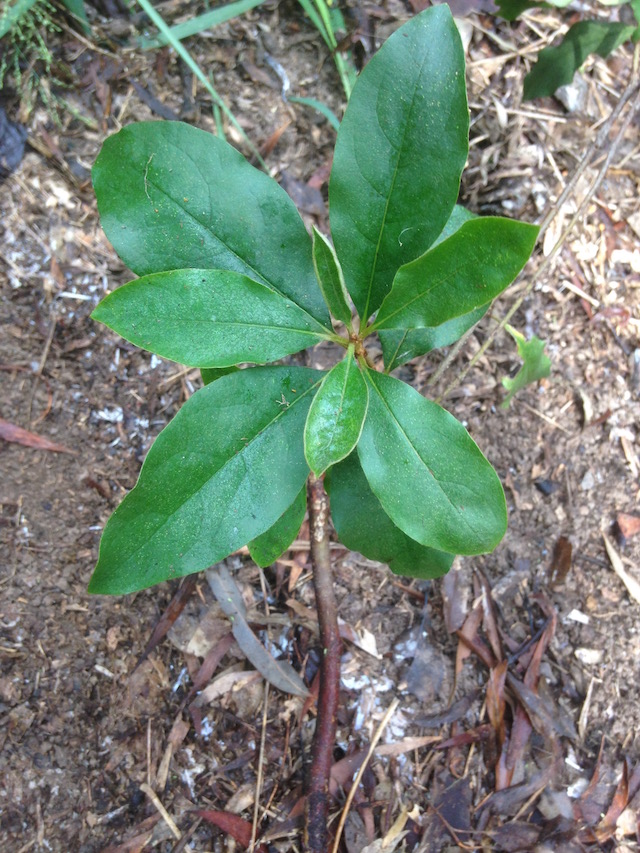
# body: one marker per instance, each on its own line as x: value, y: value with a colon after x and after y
x: 83, y: 728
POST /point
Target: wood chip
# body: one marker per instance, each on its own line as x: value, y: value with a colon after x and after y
x: 632, y: 585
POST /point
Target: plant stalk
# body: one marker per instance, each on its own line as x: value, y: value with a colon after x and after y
x: 317, y: 807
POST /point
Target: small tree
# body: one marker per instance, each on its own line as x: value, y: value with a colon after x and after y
x: 230, y: 276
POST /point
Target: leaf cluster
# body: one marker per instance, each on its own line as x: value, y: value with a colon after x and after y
x: 231, y: 282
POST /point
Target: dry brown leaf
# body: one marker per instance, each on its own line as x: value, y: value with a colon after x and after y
x: 224, y: 684
x: 17, y: 435
x: 632, y: 585
x: 363, y: 639
x: 560, y: 561
x: 407, y: 744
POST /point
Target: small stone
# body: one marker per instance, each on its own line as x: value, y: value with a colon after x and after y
x: 573, y: 96
x: 588, y: 482
x: 589, y: 656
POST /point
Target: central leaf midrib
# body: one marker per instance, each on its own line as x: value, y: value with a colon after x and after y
x: 329, y: 444
x: 244, y: 325
x: 390, y: 193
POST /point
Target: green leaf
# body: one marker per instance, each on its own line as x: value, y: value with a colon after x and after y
x: 400, y: 151
x: 362, y: 525
x: 398, y: 347
x: 266, y: 548
x: 557, y: 65
x: 426, y: 471
x: 512, y: 9
x: 536, y: 364
x: 79, y: 13
x: 208, y: 318
x: 464, y: 272
x: 330, y: 278
x: 459, y: 215
x: 171, y: 197
x: 210, y: 374
x: 219, y: 475
x: 336, y: 415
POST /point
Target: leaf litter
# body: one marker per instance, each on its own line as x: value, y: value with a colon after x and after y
x: 507, y: 173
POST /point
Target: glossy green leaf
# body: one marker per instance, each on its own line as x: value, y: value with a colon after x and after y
x: 459, y: 215
x: 512, y: 9
x: 557, y: 65
x: 398, y: 347
x: 426, y: 471
x: 362, y: 525
x: 330, y: 278
x: 266, y: 549
x: 208, y: 318
x: 220, y: 474
x: 210, y: 374
x: 464, y: 272
x: 536, y: 364
x: 400, y: 151
x: 172, y: 196
x: 336, y: 415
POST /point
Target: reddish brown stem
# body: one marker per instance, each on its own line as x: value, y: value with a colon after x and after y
x: 317, y: 811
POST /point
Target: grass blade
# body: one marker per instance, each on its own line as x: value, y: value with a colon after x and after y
x: 12, y: 14
x: 318, y: 106
x: 202, y: 22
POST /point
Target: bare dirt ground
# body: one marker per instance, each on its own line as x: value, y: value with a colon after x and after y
x: 538, y: 707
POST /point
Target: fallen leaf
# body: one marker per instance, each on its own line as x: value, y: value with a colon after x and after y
x: 224, y: 684
x: 560, y: 561
x: 280, y: 674
x: 18, y: 435
x: 407, y: 744
x: 237, y: 827
x: 363, y: 639
x: 209, y: 665
x: 137, y: 842
x: 515, y: 836
x: 456, y: 712
x: 306, y: 198
x: 490, y: 620
x: 454, y: 592
x: 173, y: 610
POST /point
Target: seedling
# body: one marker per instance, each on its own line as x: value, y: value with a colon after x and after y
x: 536, y: 364
x: 555, y: 66
x: 229, y: 276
